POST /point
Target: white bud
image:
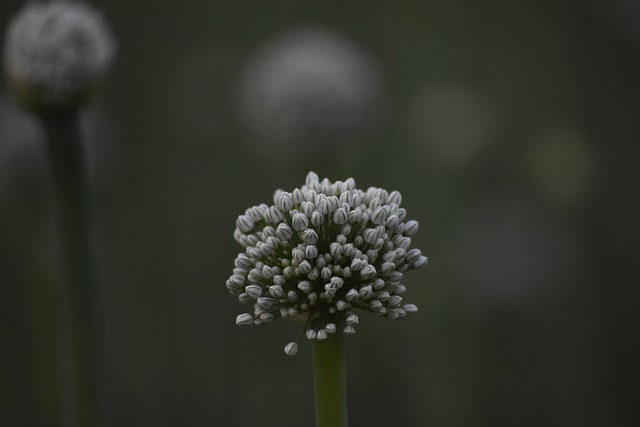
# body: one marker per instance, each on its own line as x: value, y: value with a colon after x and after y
x: 297, y: 196
x: 340, y: 216
x: 243, y: 261
x: 254, y: 291
x: 311, y: 252
x: 298, y: 254
x: 244, y: 319
x: 279, y: 280
x: 393, y: 314
x: 347, y: 249
x: 368, y: 272
x: 299, y: 222
x: 335, y: 249
x: 342, y: 305
x: 305, y: 286
x: 365, y: 292
x: 313, y: 274
x: 352, y: 319
x: 379, y: 216
x: 284, y: 232
x: 383, y: 296
x: 307, y: 208
x: 357, y: 264
x: 394, y: 301
x: 276, y: 291
x: 305, y: 267
x: 288, y: 272
x: 395, y: 277
x: 244, y: 223
x: 412, y: 255
x: 419, y: 262
x: 378, y: 244
x: 244, y: 298
x: 237, y: 280
x: 354, y: 216
x: 312, y: 297
x: 321, y: 262
x: 334, y: 202
x: 349, y: 330
x: 311, y: 178
x: 265, y: 250
x: 387, y: 267
x: 392, y: 222
x: 404, y: 242
x: 265, y: 303
x: 268, y: 231
x: 394, y: 198
x: 375, y: 305
x: 267, y: 272
x: 323, y: 204
x: 352, y: 295
x: 291, y: 349
x: 284, y: 201
x: 389, y: 256
x: 317, y: 218
x: 254, y: 213
x: 310, y: 237
x: 274, y: 215
x: 410, y: 308
x: 310, y: 195
x: 266, y: 317
x: 411, y: 228
x: 370, y: 235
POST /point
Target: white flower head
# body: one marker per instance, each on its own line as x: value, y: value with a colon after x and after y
x: 309, y: 86
x: 56, y: 52
x: 322, y: 272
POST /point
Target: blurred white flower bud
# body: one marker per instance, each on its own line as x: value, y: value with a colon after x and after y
x: 56, y: 53
x: 309, y: 88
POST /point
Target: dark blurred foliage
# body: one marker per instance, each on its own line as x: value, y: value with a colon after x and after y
x: 512, y: 133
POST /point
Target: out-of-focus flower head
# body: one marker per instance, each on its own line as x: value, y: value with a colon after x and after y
x: 308, y: 88
x: 56, y: 53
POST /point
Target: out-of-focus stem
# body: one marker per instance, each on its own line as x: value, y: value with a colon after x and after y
x: 77, y: 286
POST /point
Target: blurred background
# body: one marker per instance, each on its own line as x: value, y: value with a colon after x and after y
x: 510, y: 128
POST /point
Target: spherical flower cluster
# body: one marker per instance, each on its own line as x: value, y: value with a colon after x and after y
x: 56, y: 52
x: 322, y: 252
x: 307, y: 88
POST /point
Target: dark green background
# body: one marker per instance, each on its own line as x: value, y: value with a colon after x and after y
x: 528, y: 307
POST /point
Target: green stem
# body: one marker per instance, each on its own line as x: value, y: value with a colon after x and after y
x: 330, y: 381
x: 76, y: 287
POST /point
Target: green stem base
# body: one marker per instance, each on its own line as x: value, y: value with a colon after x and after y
x: 330, y: 382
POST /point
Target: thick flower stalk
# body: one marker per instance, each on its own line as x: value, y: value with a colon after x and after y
x: 56, y: 54
x: 322, y: 253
